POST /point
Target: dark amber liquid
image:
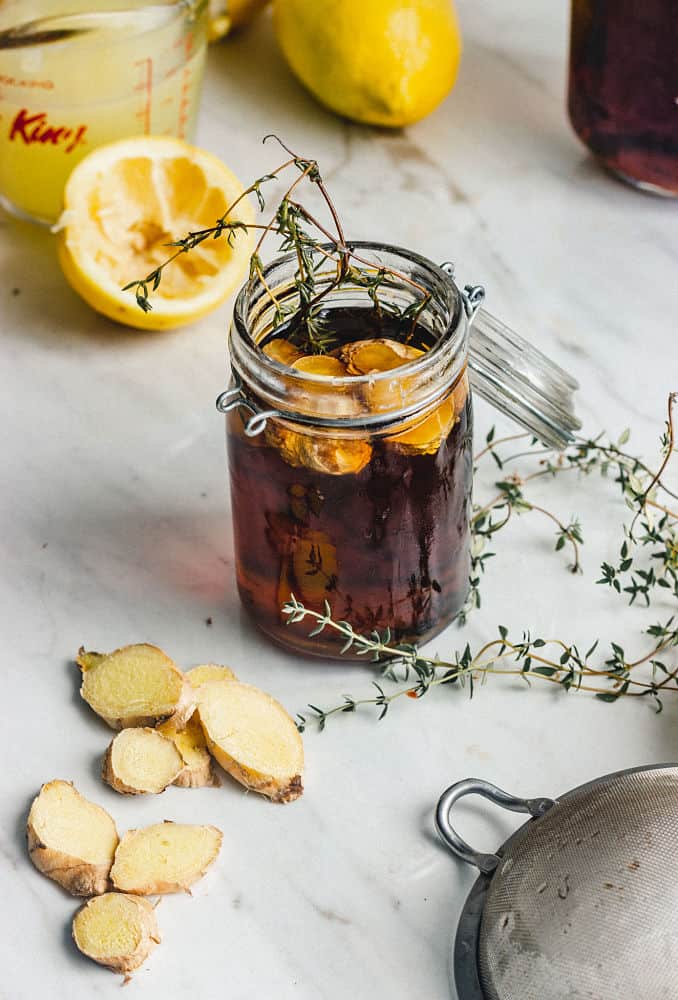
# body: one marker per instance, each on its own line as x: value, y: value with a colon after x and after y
x: 386, y: 546
x: 624, y: 86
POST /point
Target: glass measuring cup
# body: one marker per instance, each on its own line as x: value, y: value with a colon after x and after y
x: 76, y: 74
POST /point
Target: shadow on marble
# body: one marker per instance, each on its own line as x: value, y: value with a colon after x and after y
x: 252, y: 64
x: 20, y: 833
x: 37, y: 302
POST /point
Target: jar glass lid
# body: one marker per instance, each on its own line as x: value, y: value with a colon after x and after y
x: 517, y: 378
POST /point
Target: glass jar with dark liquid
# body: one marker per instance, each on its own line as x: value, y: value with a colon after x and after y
x: 351, y: 471
x: 623, y: 91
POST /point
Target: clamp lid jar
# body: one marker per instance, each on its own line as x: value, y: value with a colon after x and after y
x: 351, y: 470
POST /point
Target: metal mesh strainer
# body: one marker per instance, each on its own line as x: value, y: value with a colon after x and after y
x: 581, y: 903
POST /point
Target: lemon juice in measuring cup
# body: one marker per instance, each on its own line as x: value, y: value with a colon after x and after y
x: 75, y: 74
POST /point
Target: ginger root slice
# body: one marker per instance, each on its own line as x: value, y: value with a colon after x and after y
x: 70, y: 839
x: 282, y: 351
x: 141, y: 760
x: 209, y: 672
x: 198, y: 767
x: 165, y: 857
x: 364, y: 357
x: 253, y: 738
x: 135, y: 686
x: 116, y: 930
x: 86, y: 660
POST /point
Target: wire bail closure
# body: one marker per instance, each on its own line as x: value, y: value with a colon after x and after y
x: 233, y: 399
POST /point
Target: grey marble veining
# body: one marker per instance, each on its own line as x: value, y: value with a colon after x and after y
x: 116, y: 529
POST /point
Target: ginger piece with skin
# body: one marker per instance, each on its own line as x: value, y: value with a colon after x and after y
x: 320, y: 364
x: 365, y: 357
x: 116, y: 930
x: 86, y: 660
x: 165, y: 857
x: 370, y: 357
x: 135, y: 686
x: 331, y: 456
x: 70, y: 839
x: 426, y: 436
x: 209, y: 672
x: 141, y: 760
x: 253, y: 738
x: 282, y: 351
x: 198, y: 766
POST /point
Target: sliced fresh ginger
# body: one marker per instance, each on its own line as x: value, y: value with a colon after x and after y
x: 209, y: 672
x: 86, y: 660
x: 282, y: 351
x: 320, y: 364
x: 70, y: 839
x: 135, y: 686
x: 253, y: 738
x: 117, y: 931
x: 426, y: 436
x: 141, y: 760
x: 166, y: 857
x: 198, y: 767
x: 333, y: 456
x: 364, y: 357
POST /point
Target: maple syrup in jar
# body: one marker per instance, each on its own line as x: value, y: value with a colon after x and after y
x: 623, y: 91
x: 350, y: 470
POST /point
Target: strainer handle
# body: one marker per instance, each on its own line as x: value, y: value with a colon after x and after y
x: 476, y: 786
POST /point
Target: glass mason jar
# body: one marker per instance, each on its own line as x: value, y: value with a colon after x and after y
x: 623, y: 90
x: 356, y: 489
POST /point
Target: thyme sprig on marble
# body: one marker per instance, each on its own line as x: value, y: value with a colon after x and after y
x: 653, y: 530
x: 325, y: 260
x: 550, y: 660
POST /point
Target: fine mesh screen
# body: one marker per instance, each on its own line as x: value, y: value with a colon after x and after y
x: 584, y: 905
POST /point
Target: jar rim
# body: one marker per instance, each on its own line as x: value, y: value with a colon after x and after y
x: 446, y: 357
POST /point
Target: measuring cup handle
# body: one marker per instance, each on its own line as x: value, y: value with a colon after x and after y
x: 486, y: 863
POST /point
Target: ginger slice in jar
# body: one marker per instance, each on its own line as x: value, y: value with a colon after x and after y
x: 364, y: 357
x: 70, y: 839
x: 140, y: 760
x: 116, y: 930
x: 137, y: 685
x: 165, y: 857
x: 425, y: 437
x: 320, y: 364
x: 314, y: 566
x: 198, y: 767
x: 332, y: 456
x: 253, y: 738
x: 282, y: 351
x: 370, y: 357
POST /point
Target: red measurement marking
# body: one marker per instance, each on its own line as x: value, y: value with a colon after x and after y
x: 145, y: 86
x: 184, y: 103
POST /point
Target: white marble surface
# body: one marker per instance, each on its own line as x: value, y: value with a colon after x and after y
x: 115, y: 528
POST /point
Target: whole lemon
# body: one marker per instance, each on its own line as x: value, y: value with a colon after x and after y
x: 383, y: 62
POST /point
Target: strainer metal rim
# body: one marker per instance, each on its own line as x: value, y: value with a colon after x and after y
x: 464, y: 964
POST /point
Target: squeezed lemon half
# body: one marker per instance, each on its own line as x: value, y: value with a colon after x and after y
x: 124, y: 203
